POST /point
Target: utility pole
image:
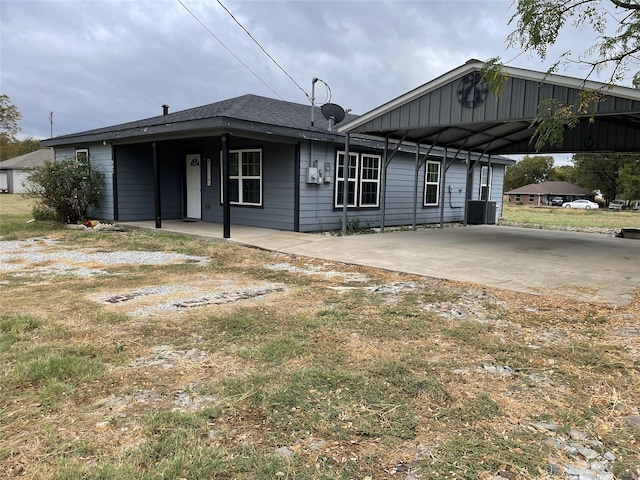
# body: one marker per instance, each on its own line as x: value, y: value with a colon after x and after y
x: 50, y: 124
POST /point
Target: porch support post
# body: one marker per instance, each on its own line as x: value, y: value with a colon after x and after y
x: 345, y: 190
x: 156, y: 174
x: 226, y: 206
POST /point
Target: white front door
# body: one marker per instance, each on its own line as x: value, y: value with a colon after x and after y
x: 194, y: 187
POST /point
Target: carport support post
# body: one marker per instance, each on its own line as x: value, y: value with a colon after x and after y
x: 345, y: 191
x: 443, y: 183
x: 226, y: 207
x: 415, y: 188
x: 488, y: 197
x: 156, y: 173
x: 467, y: 190
x: 384, y: 182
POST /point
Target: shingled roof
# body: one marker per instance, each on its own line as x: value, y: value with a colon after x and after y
x: 32, y: 159
x: 254, y: 109
x: 550, y: 188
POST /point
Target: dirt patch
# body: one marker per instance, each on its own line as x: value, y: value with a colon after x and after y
x: 192, y: 293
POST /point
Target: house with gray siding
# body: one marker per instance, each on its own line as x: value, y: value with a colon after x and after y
x: 282, y: 171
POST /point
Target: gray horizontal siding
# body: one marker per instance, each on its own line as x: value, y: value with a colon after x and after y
x: 101, y: 161
x: 136, y: 197
x: 278, y: 194
x: 172, y: 163
x: 316, y: 201
x: 136, y: 182
x: 136, y: 193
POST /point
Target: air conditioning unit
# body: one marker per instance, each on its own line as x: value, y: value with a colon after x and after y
x: 479, y: 213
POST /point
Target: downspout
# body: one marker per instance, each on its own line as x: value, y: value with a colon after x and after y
x: 226, y: 207
x: 156, y: 173
x: 345, y: 190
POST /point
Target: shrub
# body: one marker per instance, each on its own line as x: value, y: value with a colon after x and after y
x: 65, y: 189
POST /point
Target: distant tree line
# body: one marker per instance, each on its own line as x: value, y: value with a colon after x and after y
x: 10, y: 146
x: 614, y: 175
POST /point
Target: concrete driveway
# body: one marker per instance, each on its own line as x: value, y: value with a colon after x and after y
x: 571, y: 265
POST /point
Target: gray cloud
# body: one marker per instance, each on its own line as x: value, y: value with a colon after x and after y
x: 98, y: 63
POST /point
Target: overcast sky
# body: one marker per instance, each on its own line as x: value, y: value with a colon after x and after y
x: 99, y: 63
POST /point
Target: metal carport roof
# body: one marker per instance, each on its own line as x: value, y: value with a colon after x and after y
x: 450, y: 112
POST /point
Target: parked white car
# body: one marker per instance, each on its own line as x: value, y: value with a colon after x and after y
x: 586, y: 204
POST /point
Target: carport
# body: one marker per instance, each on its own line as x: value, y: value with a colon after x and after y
x: 458, y: 112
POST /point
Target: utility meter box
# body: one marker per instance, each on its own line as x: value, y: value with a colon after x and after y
x: 312, y: 175
x: 319, y: 174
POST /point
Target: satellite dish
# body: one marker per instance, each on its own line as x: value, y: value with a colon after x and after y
x: 333, y: 112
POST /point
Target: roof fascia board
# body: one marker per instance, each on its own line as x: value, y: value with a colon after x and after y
x: 572, y: 82
x: 191, y: 129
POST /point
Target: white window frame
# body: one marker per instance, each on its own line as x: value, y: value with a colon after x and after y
x: 240, y: 177
x: 80, y: 151
x: 436, y: 183
x: 482, y: 181
x: 370, y: 181
x: 356, y: 179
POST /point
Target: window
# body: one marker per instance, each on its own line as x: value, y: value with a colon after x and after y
x: 432, y: 184
x: 245, y: 177
x: 485, y: 183
x: 370, y: 180
x: 531, y: 198
x: 82, y: 154
x: 517, y: 198
x: 363, y: 178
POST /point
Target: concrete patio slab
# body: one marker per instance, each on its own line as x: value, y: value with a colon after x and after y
x: 573, y: 265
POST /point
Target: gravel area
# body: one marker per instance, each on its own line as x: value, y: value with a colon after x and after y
x: 318, y: 271
x: 49, y: 257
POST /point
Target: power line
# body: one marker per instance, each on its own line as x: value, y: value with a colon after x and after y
x: 262, y: 48
x: 228, y: 50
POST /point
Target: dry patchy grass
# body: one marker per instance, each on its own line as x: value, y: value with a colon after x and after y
x: 290, y: 367
x: 547, y: 217
x: 14, y: 204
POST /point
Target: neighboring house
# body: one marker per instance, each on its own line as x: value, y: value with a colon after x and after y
x: 284, y: 172
x: 539, y: 194
x: 13, y: 171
